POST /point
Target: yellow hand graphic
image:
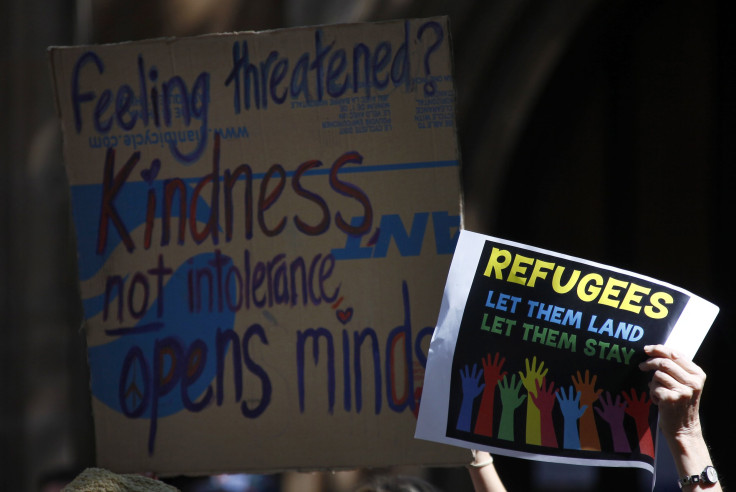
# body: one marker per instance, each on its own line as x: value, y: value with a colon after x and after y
x: 533, y: 377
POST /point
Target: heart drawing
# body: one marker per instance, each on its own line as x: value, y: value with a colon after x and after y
x: 345, y: 315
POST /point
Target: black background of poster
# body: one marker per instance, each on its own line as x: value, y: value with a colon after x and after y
x: 473, y: 344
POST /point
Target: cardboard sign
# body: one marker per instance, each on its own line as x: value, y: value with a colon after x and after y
x: 264, y: 224
x: 536, y: 355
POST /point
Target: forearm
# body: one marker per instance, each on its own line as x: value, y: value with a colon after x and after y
x: 484, y: 421
x: 463, y: 419
x: 533, y: 425
x: 486, y: 479
x: 570, y: 437
x: 691, y: 456
x: 588, y: 431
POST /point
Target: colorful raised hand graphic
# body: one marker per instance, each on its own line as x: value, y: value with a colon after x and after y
x: 471, y: 389
x: 614, y: 412
x: 545, y: 402
x: 492, y: 375
x: 638, y: 408
x: 589, y: 439
x: 530, y: 380
x: 571, y: 412
x: 510, y: 401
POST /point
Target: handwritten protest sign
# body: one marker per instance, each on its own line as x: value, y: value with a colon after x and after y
x: 536, y: 355
x: 264, y: 224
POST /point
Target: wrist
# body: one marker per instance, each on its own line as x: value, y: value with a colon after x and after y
x: 480, y: 459
x: 706, y: 479
x: 687, y: 442
x: 690, y: 452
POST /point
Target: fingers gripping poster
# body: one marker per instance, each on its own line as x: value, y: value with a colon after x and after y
x: 264, y: 224
x: 536, y: 355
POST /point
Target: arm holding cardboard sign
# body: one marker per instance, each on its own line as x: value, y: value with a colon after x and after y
x: 676, y: 386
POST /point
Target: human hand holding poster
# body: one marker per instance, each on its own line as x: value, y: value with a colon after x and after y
x: 264, y: 223
x: 536, y: 355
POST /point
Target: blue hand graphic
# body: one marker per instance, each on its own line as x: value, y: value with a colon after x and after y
x: 471, y: 389
x: 571, y: 412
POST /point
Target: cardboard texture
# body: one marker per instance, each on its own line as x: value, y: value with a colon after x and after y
x: 264, y: 224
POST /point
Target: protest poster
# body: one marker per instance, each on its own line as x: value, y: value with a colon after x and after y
x: 264, y: 223
x: 536, y: 355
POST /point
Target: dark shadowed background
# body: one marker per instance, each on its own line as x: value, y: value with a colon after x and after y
x: 601, y: 129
